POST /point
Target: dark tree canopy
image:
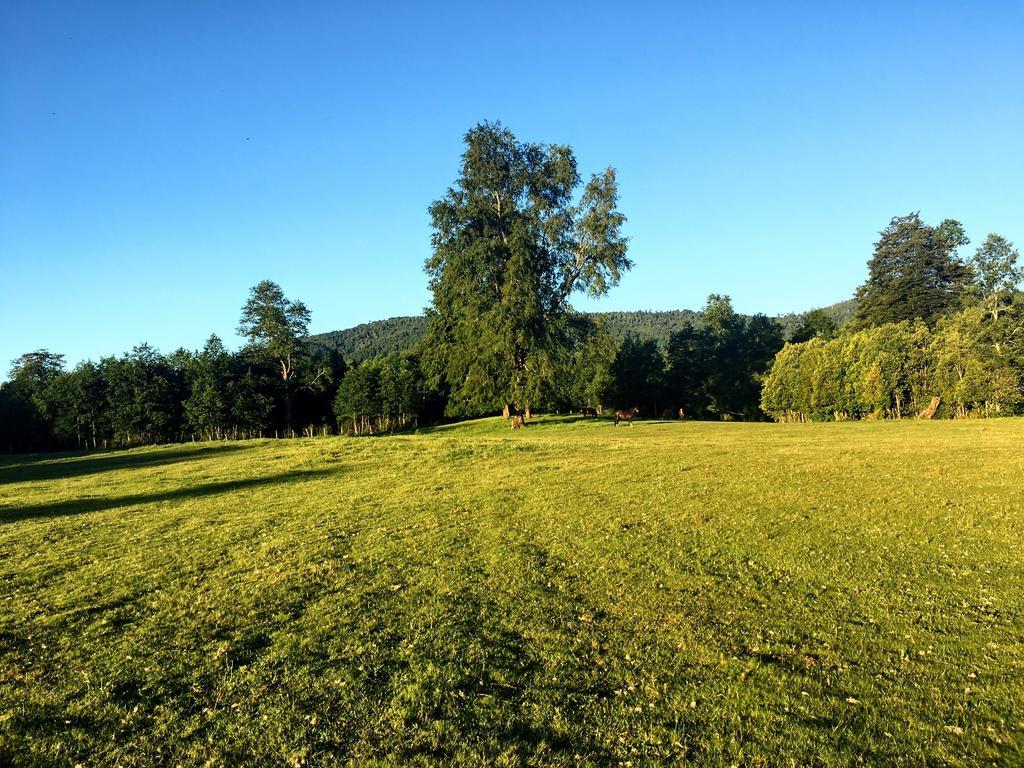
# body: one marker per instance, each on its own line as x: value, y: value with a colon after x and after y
x: 816, y: 324
x: 512, y: 243
x: 636, y: 377
x: 716, y: 371
x: 915, y: 273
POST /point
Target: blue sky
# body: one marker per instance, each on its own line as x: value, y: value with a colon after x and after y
x: 158, y: 159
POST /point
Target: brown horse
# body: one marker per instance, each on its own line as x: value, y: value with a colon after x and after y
x: 625, y: 416
x: 588, y: 411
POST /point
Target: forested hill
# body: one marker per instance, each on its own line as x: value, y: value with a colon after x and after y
x: 380, y: 337
x: 396, y: 334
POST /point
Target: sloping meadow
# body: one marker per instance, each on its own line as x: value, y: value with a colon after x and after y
x: 567, y: 594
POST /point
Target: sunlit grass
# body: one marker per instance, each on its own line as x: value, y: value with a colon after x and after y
x: 569, y: 594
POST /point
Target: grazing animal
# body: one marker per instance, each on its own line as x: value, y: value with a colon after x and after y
x: 588, y: 411
x: 517, y: 422
x: 625, y: 416
x: 682, y: 414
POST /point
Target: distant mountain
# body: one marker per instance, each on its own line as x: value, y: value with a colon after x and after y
x: 397, y: 334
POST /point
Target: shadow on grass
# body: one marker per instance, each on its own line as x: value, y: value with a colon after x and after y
x: 78, y: 465
x: 81, y: 506
x: 494, y: 425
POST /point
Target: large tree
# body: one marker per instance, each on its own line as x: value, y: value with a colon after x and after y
x: 996, y: 273
x: 512, y: 242
x: 25, y: 421
x: 277, y: 327
x: 915, y: 273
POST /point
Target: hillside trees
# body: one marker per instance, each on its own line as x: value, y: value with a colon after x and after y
x: 77, y: 403
x: 144, y: 397
x: 588, y: 372
x: 688, y: 367
x: 915, y: 273
x: 815, y: 324
x: 511, y: 244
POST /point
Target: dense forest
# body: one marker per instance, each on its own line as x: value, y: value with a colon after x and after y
x: 402, y: 334
x: 516, y: 236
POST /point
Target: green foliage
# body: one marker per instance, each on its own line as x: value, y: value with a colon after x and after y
x: 588, y: 374
x: 636, y: 377
x: 77, y: 404
x: 277, y: 327
x: 511, y: 245
x: 403, y: 334
x: 716, y: 371
x: 144, y: 396
x: 376, y: 339
x: 275, y: 324
x: 996, y: 273
x: 914, y: 274
x: 970, y: 360
x: 208, y: 379
x: 566, y: 595
x: 26, y: 417
x: 383, y: 394
x: 815, y: 324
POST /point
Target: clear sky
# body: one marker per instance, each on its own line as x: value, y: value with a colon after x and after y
x: 159, y: 158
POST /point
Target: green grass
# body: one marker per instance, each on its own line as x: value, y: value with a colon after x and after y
x: 571, y: 594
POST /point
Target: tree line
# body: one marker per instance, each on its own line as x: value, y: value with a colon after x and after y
x: 929, y: 324
x: 280, y: 385
x: 266, y: 388
x: 519, y: 233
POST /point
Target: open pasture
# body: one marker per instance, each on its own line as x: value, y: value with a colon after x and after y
x: 567, y: 594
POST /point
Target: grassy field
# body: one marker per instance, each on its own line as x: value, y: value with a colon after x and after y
x: 571, y: 594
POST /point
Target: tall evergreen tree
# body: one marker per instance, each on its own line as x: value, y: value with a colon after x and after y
x: 207, y: 376
x: 144, y: 395
x: 511, y: 245
x: 915, y: 273
x: 688, y: 363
